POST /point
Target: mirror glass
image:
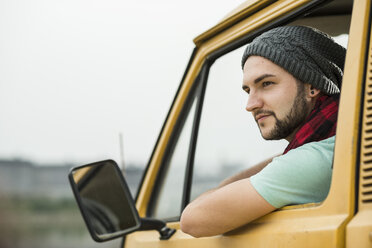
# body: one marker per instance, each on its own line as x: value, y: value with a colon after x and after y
x: 104, y: 200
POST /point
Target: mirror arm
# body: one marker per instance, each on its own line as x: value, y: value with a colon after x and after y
x: 160, y: 226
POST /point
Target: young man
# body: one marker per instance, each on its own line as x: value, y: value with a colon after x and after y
x: 293, y: 77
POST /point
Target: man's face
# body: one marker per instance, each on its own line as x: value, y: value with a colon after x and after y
x: 277, y: 101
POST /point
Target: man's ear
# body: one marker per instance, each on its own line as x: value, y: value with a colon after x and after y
x: 312, y: 92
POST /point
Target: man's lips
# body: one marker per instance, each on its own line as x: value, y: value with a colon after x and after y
x: 261, y: 117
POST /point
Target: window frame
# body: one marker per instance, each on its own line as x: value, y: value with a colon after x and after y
x: 197, y: 91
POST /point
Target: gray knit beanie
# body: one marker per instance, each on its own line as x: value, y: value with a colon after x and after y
x: 308, y: 54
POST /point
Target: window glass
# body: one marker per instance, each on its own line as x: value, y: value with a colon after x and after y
x: 342, y: 39
x: 168, y: 201
x: 229, y: 139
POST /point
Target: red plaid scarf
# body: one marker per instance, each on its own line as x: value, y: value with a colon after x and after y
x: 319, y: 125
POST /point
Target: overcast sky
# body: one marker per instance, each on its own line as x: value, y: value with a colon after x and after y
x: 74, y: 74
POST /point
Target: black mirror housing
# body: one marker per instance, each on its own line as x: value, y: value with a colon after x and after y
x: 106, y: 204
x: 104, y: 200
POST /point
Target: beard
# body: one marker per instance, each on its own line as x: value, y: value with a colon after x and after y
x: 294, y: 118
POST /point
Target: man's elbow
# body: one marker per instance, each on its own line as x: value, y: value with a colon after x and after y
x: 190, y: 225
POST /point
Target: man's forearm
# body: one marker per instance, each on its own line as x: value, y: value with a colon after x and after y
x: 204, y: 216
x: 207, y: 215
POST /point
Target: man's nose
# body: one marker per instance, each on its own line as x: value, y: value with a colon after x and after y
x: 254, y: 102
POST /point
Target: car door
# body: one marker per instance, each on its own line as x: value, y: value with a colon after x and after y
x: 208, y: 135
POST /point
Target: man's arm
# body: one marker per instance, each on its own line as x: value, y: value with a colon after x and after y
x: 224, y: 209
x: 218, y: 210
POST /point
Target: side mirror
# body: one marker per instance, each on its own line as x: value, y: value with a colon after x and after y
x: 106, y: 204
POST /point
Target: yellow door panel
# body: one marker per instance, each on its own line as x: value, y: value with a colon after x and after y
x: 359, y: 231
x: 270, y: 231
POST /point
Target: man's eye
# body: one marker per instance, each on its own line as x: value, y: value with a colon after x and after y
x: 266, y: 83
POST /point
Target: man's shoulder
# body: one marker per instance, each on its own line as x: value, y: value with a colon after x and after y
x: 302, y: 175
x: 307, y: 158
x: 326, y: 143
x: 314, y: 150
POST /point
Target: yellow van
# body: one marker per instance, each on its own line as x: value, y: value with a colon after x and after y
x: 202, y: 138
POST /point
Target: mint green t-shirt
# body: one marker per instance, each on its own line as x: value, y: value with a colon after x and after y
x: 300, y: 176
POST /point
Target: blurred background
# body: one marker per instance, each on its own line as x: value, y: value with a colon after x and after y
x: 82, y: 81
